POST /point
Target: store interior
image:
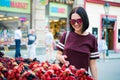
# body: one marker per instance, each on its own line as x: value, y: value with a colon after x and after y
x: 58, y: 26
x: 8, y: 24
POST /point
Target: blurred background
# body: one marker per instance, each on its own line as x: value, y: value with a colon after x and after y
x: 104, y: 18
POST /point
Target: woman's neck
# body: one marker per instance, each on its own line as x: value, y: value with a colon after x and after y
x: 80, y: 33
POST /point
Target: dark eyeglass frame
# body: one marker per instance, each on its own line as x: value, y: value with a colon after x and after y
x: 73, y: 21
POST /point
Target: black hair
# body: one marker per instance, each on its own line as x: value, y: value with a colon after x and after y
x: 19, y: 27
x: 103, y: 37
x: 83, y: 14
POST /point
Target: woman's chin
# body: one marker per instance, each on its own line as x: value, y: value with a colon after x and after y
x: 77, y: 30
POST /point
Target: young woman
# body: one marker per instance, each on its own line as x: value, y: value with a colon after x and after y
x: 102, y: 47
x: 80, y: 48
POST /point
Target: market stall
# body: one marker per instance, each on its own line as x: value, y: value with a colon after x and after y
x: 32, y: 69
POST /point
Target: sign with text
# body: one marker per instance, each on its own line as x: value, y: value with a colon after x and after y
x: 22, y: 6
x: 58, y: 10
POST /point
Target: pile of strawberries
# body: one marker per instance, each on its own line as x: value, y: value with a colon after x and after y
x: 28, y: 69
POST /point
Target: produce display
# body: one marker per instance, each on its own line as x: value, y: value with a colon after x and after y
x: 32, y: 69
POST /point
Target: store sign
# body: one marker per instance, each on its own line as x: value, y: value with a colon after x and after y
x: 22, y: 6
x: 44, y: 2
x: 58, y: 10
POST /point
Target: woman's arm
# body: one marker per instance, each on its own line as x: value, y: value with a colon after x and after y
x: 93, y: 69
x: 26, y: 41
x: 61, y: 57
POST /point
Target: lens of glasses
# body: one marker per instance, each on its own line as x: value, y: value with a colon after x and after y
x: 73, y: 21
x: 79, y: 21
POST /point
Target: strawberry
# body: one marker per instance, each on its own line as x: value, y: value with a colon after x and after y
x: 73, y: 69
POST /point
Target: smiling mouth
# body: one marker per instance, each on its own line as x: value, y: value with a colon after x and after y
x: 77, y: 26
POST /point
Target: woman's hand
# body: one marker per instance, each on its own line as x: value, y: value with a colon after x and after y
x: 62, y: 58
x: 64, y: 61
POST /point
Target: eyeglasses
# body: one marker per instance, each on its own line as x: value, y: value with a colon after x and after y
x: 73, y: 21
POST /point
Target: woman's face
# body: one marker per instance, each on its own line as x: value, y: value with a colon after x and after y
x: 76, y: 22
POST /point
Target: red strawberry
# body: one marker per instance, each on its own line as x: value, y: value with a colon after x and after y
x: 73, y: 69
x: 70, y: 78
x: 89, y: 78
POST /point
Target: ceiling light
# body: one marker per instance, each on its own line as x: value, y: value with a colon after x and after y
x: 1, y: 15
x: 16, y: 17
x: 10, y: 18
x: 5, y: 19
